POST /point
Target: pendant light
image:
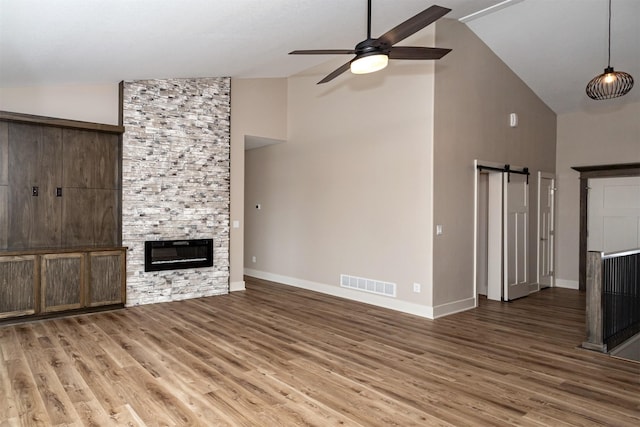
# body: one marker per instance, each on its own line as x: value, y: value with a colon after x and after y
x: 610, y: 84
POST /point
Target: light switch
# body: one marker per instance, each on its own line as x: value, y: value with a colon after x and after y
x: 439, y: 229
x: 236, y: 224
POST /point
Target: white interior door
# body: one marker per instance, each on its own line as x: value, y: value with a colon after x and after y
x: 546, y: 231
x: 516, y: 226
x: 482, y: 221
x: 494, y: 237
x: 613, y: 214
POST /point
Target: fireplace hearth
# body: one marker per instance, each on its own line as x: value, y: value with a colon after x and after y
x: 177, y: 254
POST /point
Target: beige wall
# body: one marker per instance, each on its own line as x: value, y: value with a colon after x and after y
x: 608, y: 133
x: 89, y: 103
x: 350, y: 190
x: 474, y: 94
x: 258, y: 108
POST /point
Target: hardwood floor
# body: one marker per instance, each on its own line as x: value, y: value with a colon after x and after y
x: 280, y: 356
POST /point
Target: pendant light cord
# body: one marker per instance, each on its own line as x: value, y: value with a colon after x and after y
x: 369, y: 19
x: 609, y: 57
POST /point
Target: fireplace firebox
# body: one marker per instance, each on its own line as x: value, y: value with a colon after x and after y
x: 177, y: 254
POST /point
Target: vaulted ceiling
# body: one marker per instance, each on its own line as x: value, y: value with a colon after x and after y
x: 555, y: 46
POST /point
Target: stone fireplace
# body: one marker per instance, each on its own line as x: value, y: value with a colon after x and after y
x: 175, y: 183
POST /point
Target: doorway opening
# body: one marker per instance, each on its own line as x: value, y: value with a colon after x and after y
x: 546, y: 230
x: 501, y: 231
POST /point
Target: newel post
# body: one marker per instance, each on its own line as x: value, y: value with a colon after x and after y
x: 594, y: 303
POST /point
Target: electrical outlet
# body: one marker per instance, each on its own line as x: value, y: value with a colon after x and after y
x: 416, y: 288
x: 253, y: 259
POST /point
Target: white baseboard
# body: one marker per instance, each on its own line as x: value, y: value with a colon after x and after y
x: 236, y: 286
x: 453, y: 307
x: 377, y: 300
x: 569, y: 284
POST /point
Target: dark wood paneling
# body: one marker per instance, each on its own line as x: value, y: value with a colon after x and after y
x: 4, y: 153
x: 91, y: 159
x: 8, y: 116
x: 22, y: 252
x: 606, y: 171
x: 18, y: 276
x: 106, y: 278
x: 106, y: 218
x: 50, y: 157
x: 582, y: 244
x: 62, y: 281
x: 90, y: 217
x: 34, y: 155
x: 77, y: 217
x: 79, y: 159
x: 106, y: 160
x: 4, y: 216
x: 24, y: 145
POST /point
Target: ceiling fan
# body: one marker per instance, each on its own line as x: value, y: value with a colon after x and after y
x: 373, y: 54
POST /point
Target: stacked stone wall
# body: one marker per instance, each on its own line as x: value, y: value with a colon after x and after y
x: 175, y: 181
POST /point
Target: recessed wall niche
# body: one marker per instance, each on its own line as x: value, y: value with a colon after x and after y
x: 176, y: 181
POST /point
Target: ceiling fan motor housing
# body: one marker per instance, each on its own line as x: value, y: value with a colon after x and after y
x: 372, y: 47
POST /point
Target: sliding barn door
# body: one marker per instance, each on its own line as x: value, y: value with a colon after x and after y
x: 515, y: 234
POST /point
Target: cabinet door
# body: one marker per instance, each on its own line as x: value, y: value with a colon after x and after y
x: 106, y: 219
x: 62, y: 281
x: 90, y: 217
x: 78, y: 211
x: 18, y: 285
x: 4, y: 216
x: 4, y: 153
x: 107, y: 161
x: 4, y: 184
x: 91, y: 195
x: 91, y: 159
x: 106, y: 278
x: 34, y: 159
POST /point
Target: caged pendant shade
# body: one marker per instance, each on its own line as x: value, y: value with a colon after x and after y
x: 610, y: 84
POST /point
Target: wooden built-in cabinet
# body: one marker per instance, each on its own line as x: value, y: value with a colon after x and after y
x: 107, y: 268
x: 62, y: 281
x: 19, y: 285
x: 42, y: 282
x: 62, y: 187
x: 60, y: 215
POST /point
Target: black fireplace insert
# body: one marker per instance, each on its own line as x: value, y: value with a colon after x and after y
x: 177, y: 254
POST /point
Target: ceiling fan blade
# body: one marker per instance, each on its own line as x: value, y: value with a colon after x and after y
x: 336, y: 73
x: 410, y: 52
x: 414, y: 24
x: 324, y: 52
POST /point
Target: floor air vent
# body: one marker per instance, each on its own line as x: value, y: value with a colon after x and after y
x: 368, y: 285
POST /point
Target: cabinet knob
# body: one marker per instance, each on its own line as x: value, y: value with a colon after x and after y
x: 34, y: 191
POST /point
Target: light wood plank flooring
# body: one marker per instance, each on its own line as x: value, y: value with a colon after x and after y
x: 279, y: 356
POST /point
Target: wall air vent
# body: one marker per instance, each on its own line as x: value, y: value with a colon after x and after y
x: 368, y: 285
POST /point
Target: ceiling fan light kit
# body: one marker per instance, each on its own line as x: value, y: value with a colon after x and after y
x: 373, y: 55
x: 610, y: 84
x: 369, y: 63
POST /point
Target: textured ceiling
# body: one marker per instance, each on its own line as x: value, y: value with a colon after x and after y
x: 555, y: 46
